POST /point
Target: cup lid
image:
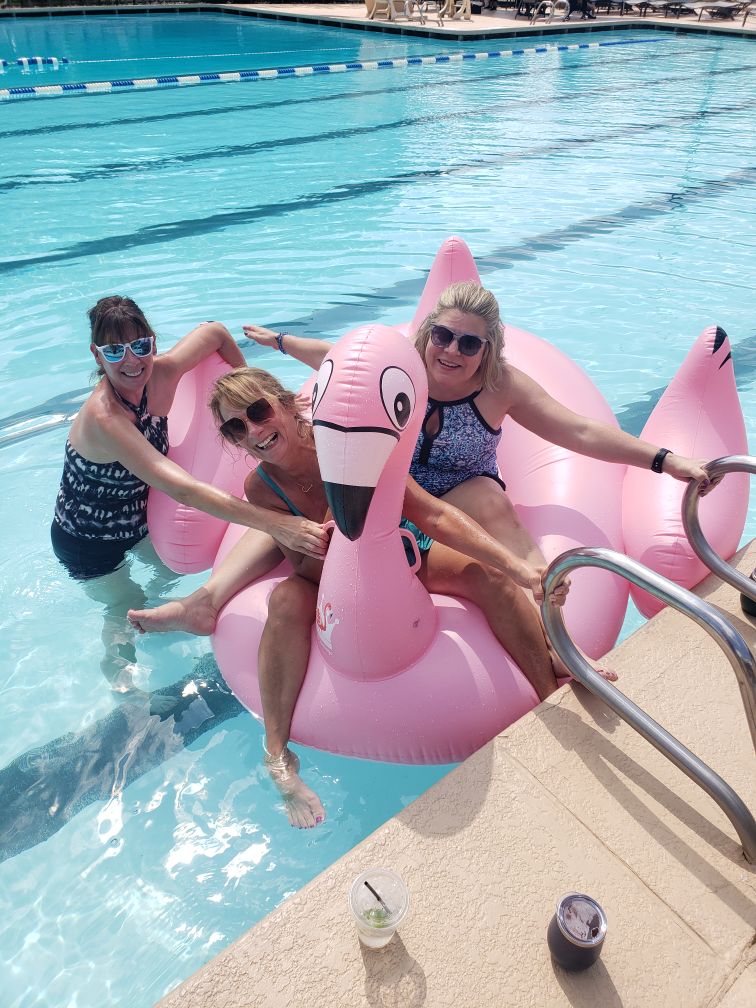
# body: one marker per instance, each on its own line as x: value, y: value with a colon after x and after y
x: 386, y: 909
x: 581, y: 920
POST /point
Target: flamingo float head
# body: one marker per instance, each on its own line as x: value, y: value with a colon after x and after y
x: 367, y: 407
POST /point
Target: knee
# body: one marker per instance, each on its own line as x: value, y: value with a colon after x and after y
x: 486, y: 585
x: 492, y: 505
x: 292, y: 602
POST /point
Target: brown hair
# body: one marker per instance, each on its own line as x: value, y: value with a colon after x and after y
x: 472, y: 299
x: 245, y: 385
x: 111, y: 320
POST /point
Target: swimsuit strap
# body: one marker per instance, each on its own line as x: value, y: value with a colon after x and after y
x: 278, y: 491
x: 138, y: 411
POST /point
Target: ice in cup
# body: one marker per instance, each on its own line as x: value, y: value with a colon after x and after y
x: 379, y: 901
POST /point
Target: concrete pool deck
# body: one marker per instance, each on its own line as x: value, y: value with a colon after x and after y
x: 568, y: 798
x: 490, y: 24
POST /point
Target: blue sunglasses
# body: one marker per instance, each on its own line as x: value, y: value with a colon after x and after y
x: 114, y: 353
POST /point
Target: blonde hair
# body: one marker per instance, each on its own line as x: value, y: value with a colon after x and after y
x: 239, y: 388
x: 472, y: 299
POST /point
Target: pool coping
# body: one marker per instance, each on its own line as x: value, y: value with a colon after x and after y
x: 276, y: 11
x: 569, y: 798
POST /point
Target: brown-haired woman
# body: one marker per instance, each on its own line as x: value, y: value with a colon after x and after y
x: 116, y: 450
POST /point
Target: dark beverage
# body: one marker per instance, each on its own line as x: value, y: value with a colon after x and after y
x: 576, y: 932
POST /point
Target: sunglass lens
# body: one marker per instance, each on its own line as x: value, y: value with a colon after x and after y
x: 469, y: 345
x: 113, y: 352
x: 259, y: 411
x: 142, y: 347
x: 441, y: 336
x: 233, y: 430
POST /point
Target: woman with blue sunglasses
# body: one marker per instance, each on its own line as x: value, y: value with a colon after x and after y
x: 116, y: 450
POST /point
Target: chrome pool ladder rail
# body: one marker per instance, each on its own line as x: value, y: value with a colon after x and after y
x: 719, y: 467
x: 707, y: 617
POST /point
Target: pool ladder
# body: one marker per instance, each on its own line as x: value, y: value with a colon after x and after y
x: 702, y: 613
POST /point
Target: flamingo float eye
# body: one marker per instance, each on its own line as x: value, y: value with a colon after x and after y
x: 324, y: 376
x: 398, y: 395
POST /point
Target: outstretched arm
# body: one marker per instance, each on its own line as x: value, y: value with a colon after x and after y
x: 110, y: 435
x: 310, y: 351
x: 533, y: 408
x: 207, y: 338
x: 453, y: 528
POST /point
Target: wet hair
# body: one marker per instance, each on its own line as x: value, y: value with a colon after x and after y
x: 472, y: 299
x: 117, y: 319
x: 239, y: 388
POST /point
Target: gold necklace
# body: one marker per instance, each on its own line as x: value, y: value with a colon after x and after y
x: 304, y: 487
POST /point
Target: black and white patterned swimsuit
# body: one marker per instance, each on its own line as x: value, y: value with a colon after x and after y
x: 103, y: 504
x: 464, y: 447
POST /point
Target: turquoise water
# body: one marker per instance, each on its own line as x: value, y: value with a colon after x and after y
x: 608, y: 196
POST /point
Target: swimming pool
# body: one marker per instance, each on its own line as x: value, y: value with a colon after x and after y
x: 608, y: 195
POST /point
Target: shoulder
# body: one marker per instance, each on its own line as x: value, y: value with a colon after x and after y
x: 257, y: 491
x: 494, y: 403
x: 98, y: 424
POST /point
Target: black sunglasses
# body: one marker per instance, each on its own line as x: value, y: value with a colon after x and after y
x: 467, y: 344
x: 236, y: 430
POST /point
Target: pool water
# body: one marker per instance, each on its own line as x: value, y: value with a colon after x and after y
x: 609, y: 196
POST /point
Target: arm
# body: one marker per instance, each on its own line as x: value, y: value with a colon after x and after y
x: 202, y: 341
x: 110, y: 434
x: 453, y: 528
x: 310, y: 351
x: 532, y: 407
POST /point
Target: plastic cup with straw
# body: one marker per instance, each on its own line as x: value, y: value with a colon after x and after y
x: 379, y: 901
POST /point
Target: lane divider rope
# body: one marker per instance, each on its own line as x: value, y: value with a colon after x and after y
x: 238, y: 76
x: 35, y: 61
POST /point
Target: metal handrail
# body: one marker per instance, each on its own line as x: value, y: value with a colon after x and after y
x: 719, y: 467
x: 733, y: 645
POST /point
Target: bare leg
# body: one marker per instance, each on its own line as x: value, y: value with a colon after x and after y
x: 485, y: 501
x: 254, y: 555
x: 513, y: 620
x: 281, y: 665
x: 115, y: 592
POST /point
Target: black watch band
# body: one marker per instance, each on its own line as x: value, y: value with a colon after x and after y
x: 658, y: 462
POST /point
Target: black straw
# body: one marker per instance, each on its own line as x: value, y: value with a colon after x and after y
x: 380, y: 900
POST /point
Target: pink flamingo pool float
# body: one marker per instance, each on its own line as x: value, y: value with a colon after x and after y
x: 396, y: 674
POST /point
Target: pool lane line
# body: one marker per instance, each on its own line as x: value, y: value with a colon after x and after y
x: 240, y: 76
x: 221, y: 110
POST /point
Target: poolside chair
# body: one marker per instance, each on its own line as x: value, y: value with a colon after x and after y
x: 550, y: 9
x: 455, y: 10
x: 395, y: 10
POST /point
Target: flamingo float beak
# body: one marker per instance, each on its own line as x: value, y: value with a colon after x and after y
x: 349, y: 506
x: 351, y: 462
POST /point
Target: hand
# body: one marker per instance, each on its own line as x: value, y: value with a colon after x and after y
x: 301, y: 535
x: 683, y: 468
x: 531, y: 577
x: 262, y: 336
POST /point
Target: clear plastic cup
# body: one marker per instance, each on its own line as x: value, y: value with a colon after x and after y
x: 378, y: 916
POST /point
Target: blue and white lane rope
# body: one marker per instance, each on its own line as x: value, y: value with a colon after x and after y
x: 35, y: 61
x: 238, y: 76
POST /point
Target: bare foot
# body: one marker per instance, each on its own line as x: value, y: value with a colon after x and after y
x: 194, y: 614
x: 303, y: 807
x: 561, y: 671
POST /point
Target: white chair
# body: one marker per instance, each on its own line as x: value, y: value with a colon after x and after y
x: 395, y: 10
x: 550, y: 9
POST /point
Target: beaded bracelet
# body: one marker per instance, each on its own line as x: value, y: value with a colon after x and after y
x: 279, y: 342
x: 658, y: 462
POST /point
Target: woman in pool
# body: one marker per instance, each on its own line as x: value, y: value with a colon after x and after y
x: 253, y: 410
x: 471, y: 389
x: 116, y: 450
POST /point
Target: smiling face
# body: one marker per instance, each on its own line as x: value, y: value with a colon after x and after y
x: 263, y: 428
x: 132, y: 371
x: 451, y: 373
